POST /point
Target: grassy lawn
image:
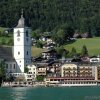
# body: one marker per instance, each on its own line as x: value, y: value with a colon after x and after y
x: 4, y: 40
x: 2, y: 29
x: 92, y: 44
x: 37, y: 51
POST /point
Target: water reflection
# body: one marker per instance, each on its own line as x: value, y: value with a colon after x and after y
x: 19, y: 93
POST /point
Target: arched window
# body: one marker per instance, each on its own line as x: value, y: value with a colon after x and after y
x: 18, y: 33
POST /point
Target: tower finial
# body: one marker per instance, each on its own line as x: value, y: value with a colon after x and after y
x: 22, y: 13
x: 21, y: 22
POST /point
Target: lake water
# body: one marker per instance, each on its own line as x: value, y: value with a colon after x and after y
x: 50, y: 93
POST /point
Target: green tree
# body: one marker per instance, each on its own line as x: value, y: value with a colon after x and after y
x: 40, y: 78
x: 59, y: 37
x: 62, y: 52
x: 35, y: 35
x: 65, y: 53
x: 26, y: 70
x: 47, y: 15
x: 2, y: 71
x: 84, y: 50
x: 39, y: 44
x: 68, y: 29
x: 10, y: 42
x: 73, y: 52
x: 3, y: 41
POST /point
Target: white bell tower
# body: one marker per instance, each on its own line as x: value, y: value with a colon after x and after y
x: 22, y: 45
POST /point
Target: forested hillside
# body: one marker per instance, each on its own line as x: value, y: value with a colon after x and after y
x: 50, y: 15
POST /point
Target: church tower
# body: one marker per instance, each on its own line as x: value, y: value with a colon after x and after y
x: 22, y: 45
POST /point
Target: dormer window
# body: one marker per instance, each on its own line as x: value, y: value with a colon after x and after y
x: 26, y: 33
x: 18, y: 33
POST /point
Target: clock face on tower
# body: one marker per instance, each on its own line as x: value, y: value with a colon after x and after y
x: 18, y: 39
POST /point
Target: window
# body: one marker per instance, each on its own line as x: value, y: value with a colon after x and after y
x: 7, y: 66
x: 10, y: 66
x: 27, y: 39
x: 30, y: 72
x: 14, y: 66
x: 18, y: 33
x: 33, y: 68
x: 18, y: 53
x: 27, y: 52
x: 26, y: 33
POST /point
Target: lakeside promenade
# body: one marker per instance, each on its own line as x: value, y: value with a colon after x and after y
x: 53, y: 84
x: 22, y: 84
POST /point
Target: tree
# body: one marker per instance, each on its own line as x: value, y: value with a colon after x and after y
x: 61, y: 52
x: 26, y: 70
x: 39, y: 78
x: 59, y: 37
x: 35, y: 35
x: 84, y: 51
x: 39, y: 44
x: 10, y: 42
x: 73, y: 52
x: 3, y: 41
x: 68, y: 29
x: 2, y: 71
x: 70, y: 32
x: 46, y: 15
x: 65, y: 53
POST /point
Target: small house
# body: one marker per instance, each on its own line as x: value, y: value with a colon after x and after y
x: 49, y: 54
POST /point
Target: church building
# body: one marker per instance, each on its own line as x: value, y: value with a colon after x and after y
x: 19, y: 56
x: 22, y: 45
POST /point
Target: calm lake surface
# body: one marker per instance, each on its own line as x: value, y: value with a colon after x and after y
x: 50, y: 93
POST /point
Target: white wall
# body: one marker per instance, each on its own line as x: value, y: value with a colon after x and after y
x: 22, y: 46
x: 31, y: 73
